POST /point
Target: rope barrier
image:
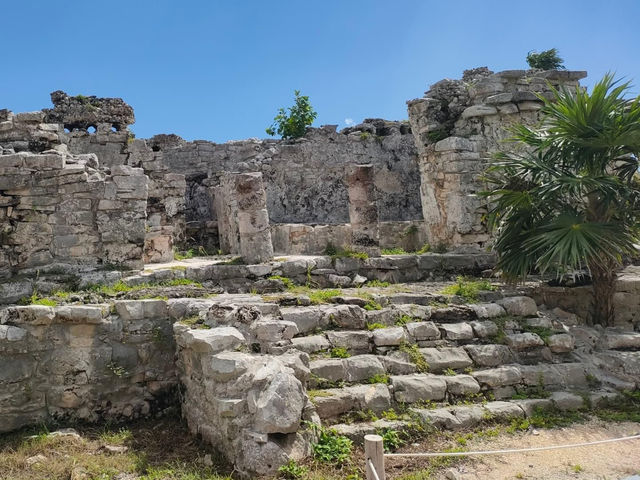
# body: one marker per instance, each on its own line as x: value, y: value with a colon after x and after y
x: 373, y: 470
x: 520, y: 450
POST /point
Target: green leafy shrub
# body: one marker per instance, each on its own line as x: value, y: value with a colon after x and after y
x: 391, y: 440
x: 339, y: 352
x: 468, y: 289
x: 293, y: 124
x: 331, y: 447
x: 546, y: 60
x: 292, y: 470
x: 378, y: 378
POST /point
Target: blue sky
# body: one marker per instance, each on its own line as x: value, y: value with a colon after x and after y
x: 220, y: 70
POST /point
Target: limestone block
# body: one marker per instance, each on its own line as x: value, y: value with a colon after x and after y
x: 520, y: 306
x: 355, y: 342
x: 81, y: 313
x: 345, y: 316
x: 444, y: 358
x: 362, y: 367
x: 336, y: 401
x: 209, y: 341
x: 523, y: 341
x: 484, y: 329
x: 479, y: 111
x: 311, y: 344
x: 462, y: 385
x: 561, y: 343
x: 421, y: 331
x: 332, y: 369
x: 306, y: 318
x: 392, y: 336
x: 504, y: 410
x: 374, y: 397
x: 530, y: 405
x: 489, y: 355
x: 457, y: 331
x: 614, y: 340
x: 397, y: 364
x: 418, y: 387
x: 567, y: 401
x: 279, y: 406
x: 439, y: 418
x: 498, y: 377
x: 454, y: 143
x: 487, y: 310
x: 274, y: 330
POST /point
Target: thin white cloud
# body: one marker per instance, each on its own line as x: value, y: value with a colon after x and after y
x: 348, y: 121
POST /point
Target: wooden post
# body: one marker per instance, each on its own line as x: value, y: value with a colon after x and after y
x: 374, y: 451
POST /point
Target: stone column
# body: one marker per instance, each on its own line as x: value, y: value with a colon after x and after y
x: 363, y: 210
x: 243, y: 219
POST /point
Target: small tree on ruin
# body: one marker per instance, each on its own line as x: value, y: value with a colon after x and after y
x: 293, y: 124
x: 547, y: 60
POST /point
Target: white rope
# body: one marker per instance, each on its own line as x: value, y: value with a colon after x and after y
x: 520, y: 450
x: 373, y: 469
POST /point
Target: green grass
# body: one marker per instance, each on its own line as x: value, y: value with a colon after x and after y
x: 331, y: 447
x: 377, y: 284
x: 194, y: 321
x: 375, y: 326
x: 415, y: 357
x: 121, y: 287
x: 36, y: 299
x: 339, y: 352
x: 468, y: 288
x: 393, y: 251
x: 336, y: 252
x: 288, y: 283
x: 378, y: 378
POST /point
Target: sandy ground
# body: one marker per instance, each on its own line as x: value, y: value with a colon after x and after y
x: 609, y: 461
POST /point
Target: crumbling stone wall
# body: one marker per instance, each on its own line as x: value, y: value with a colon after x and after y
x: 244, y: 220
x: 97, y: 128
x: 85, y: 363
x: 304, y: 178
x: 60, y: 210
x: 458, y: 125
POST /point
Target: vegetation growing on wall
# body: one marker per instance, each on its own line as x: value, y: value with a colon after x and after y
x: 293, y: 124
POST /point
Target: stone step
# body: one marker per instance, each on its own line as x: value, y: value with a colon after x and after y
x: 458, y: 417
x: 415, y: 388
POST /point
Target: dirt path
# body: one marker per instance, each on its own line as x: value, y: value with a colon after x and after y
x: 609, y: 461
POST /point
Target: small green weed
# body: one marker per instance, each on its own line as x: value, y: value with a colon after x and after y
x: 375, y: 326
x: 415, y: 356
x: 394, y: 251
x: 288, y: 283
x: 377, y: 283
x: 468, y: 289
x: 331, y: 447
x: 291, y: 470
x: 339, y: 352
x: 378, y: 378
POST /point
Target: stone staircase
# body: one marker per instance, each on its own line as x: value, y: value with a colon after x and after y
x: 377, y: 360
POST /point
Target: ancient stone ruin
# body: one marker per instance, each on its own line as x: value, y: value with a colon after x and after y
x: 101, y: 321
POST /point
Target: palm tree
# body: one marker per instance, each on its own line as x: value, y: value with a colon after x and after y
x: 568, y: 199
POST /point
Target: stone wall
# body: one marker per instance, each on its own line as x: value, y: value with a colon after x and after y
x: 96, y: 130
x: 85, y: 363
x: 301, y: 239
x: 305, y: 178
x: 458, y: 125
x: 244, y: 221
x: 61, y: 210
